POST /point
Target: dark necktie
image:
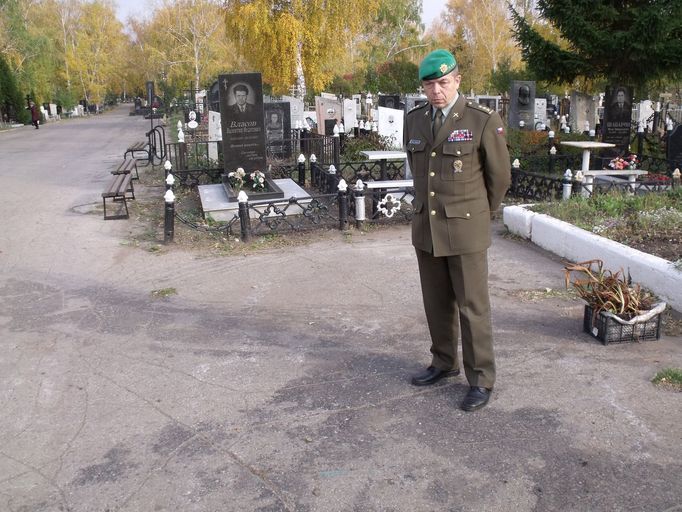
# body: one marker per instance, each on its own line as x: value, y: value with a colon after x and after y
x: 437, y: 123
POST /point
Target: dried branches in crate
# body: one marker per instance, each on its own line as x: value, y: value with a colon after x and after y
x: 607, y: 291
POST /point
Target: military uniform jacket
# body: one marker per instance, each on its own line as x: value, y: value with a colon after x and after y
x: 459, y: 178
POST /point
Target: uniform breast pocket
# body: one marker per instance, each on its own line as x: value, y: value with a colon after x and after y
x: 417, y: 157
x: 457, y: 158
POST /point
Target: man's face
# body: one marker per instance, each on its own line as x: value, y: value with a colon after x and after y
x: 241, y: 97
x: 441, y: 91
x: 620, y: 97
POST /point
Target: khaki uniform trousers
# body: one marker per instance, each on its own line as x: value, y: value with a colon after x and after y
x: 455, y: 293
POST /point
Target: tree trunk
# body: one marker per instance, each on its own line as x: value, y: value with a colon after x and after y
x: 300, y: 77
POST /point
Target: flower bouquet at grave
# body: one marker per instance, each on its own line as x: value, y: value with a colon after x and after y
x: 622, y: 163
x: 257, y: 180
x: 236, y: 178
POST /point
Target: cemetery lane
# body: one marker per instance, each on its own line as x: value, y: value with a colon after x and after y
x: 279, y: 380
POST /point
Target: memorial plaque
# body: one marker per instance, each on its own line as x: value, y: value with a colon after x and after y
x: 522, y: 104
x: 242, y: 116
x: 617, y: 116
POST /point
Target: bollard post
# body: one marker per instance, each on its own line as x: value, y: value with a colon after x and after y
x: 337, y: 147
x: 167, y: 166
x: 640, y: 140
x: 676, y: 178
x: 577, y: 183
x: 343, y: 205
x: 169, y: 216
x: 552, y: 158
x: 330, y: 182
x: 244, y: 218
x: 567, y: 183
x: 301, y: 170
x: 359, y: 204
x: 314, y: 172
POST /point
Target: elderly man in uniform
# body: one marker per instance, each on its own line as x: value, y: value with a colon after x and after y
x: 458, y: 155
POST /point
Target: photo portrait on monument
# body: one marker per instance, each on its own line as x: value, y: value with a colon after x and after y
x: 620, y: 108
x: 242, y: 101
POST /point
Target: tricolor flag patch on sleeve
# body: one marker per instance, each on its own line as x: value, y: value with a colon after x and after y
x: 500, y: 131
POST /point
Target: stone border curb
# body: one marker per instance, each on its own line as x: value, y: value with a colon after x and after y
x: 575, y: 244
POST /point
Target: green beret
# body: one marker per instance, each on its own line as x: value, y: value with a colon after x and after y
x: 436, y: 64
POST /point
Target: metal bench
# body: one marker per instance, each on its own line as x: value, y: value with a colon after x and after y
x: 119, y: 189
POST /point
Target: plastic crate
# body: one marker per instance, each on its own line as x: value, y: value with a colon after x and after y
x: 607, y: 330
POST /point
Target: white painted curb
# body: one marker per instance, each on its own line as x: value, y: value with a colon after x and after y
x: 575, y: 244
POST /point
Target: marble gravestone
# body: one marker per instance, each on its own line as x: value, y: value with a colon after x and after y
x: 295, y: 110
x: 215, y: 135
x: 242, y: 121
x: 350, y: 116
x: 617, y: 116
x: 391, y: 125
x: 522, y: 104
x: 583, y: 110
x: 329, y: 112
x: 540, y: 113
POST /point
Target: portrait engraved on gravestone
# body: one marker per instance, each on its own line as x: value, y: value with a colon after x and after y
x: 242, y: 121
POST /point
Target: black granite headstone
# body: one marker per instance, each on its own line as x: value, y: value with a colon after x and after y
x: 617, y: 116
x: 278, y: 128
x: 389, y: 100
x: 241, y: 114
x: 522, y: 104
x: 674, y: 146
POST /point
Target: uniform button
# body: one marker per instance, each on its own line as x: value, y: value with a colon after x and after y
x: 432, y: 173
x: 432, y: 194
x: 459, y: 152
x: 468, y: 215
x: 433, y: 153
x: 433, y: 212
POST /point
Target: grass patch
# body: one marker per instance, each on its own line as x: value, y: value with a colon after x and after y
x: 163, y: 293
x: 669, y: 378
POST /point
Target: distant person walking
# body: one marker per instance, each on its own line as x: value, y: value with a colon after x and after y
x: 35, y: 115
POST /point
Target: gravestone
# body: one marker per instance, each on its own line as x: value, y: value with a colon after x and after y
x: 327, y: 109
x: 522, y: 103
x: 215, y: 135
x: 278, y: 128
x: 414, y: 101
x: 389, y: 101
x: 214, y: 97
x: 617, y: 116
x: 350, y: 115
x: 391, y: 125
x: 645, y: 114
x: 583, y: 110
x: 674, y: 146
x: 492, y: 102
x: 295, y: 110
x: 540, y: 113
x: 241, y: 114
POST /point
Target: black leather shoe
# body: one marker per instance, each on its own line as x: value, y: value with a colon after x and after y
x: 432, y: 375
x: 476, y: 398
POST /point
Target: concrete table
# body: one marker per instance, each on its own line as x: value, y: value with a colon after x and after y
x: 587, y: 146
x: 383, y: 157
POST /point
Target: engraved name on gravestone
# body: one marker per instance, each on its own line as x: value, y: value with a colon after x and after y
x: 522, y: 104
x: 242, y: 121
x: 617, y: 116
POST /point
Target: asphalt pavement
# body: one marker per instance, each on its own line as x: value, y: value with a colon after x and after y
x: 279, y: 380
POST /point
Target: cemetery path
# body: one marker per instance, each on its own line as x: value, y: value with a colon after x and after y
x: 279, y: 380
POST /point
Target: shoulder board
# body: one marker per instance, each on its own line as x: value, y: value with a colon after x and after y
x: 478, y: 106
x: 418, y: 107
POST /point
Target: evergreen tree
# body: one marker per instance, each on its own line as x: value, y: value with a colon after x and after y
x: 11, y: 102
x: 635, y: 42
